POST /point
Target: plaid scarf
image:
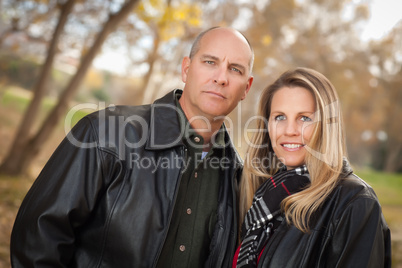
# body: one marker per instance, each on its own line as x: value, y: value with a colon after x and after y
x: 258, y: 223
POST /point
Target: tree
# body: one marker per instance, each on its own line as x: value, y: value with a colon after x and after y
x: 19, y: 16
x: 165, y: 22
x: 26, y: 147
x: 387, y: 68
x: 315, y: 34
x: 12, y: 165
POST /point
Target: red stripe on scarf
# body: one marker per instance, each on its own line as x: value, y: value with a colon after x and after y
x: 284, y: 187
x: 236, y: 256
x: 273, y: 182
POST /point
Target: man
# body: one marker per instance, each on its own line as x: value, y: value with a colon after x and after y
x: 145, y: 186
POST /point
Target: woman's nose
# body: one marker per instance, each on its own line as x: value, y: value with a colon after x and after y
x: 292, y: 129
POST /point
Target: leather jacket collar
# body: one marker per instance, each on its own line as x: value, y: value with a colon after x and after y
x: 164, y: 129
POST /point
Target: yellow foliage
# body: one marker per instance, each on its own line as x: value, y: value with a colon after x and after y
x: 42, y: 1
x: 156, y: 3
x: 15, y: 47
x: 150, y: 10
x: 172, y: 30
x: 94, y: 79
x: 171, y: 20
x: 180, y: 15
x: 192, y: 14
x: 174, y: 19
x: 266, y: 40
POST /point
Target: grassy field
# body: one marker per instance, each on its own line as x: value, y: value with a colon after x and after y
x: 18, y: 99
x: 388, y: 188
x: 12, y: 189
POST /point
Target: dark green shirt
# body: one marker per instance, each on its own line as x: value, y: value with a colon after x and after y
x: 194, y: 215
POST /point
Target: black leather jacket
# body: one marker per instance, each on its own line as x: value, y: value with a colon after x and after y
x: 102, y: 201
x: 348, y: 231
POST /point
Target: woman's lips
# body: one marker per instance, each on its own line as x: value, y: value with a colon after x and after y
x: 292, y: 146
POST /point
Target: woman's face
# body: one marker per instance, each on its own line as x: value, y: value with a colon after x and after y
x: 290, y: 124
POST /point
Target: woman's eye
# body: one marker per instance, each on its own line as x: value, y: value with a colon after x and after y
x: 305, y: 119
x: 280, y: 117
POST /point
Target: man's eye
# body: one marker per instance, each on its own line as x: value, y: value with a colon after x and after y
x: 209, y: 62
x: 236, y: 70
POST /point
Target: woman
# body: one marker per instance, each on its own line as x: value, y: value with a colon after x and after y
x: 309, y: 209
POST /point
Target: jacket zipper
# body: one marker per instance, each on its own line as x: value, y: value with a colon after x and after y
x: 183, y: 153
x: 271, y: 240
x: 219, y: 254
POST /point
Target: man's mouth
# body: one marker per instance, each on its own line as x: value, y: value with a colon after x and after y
x: 216, y: 94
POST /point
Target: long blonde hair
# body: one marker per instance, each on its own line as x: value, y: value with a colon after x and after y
x: 324, y: 153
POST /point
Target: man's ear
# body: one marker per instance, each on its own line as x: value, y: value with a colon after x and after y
x: 249, y: 83
x: 184, y: 68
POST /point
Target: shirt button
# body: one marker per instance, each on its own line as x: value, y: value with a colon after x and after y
x: 195, y: 175
x: 189, y: 211
x: 182, y: 248
x: 197, y: 139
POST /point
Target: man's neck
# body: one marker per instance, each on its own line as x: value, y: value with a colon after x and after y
x: 205, y: 126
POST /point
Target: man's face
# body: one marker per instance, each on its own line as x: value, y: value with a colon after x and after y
x: 218, y: 76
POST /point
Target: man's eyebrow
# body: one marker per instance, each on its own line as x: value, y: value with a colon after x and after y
x: 239, y: 66
x: 207, y: 56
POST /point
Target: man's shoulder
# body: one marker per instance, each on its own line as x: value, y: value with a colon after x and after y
x: 120, y: 111
x: 126, y: 111
x: 113, y: 125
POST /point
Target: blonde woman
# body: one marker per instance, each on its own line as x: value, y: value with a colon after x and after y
x: 301, y: 203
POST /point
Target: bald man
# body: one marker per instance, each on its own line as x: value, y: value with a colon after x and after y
x: 146, y: 186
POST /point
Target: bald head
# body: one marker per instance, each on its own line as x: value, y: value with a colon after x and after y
x: 242, y: 39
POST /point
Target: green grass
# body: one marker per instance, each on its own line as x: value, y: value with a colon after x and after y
x: 388, y: 186
x: 13, y: 99
x: 19, y: 100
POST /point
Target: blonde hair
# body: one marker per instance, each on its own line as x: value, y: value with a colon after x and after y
x: 324, y: 153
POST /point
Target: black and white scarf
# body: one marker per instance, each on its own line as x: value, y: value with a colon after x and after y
x: 258, y: 223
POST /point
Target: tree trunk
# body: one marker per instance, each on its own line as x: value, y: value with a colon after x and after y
x: 36, y: 143
x: 393, y: 161
x: 149, y: 90
x: 14, y: 163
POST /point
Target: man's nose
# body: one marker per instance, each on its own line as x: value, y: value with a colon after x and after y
x: 221, y: 77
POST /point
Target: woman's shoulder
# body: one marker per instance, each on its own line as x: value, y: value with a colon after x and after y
x: 354, y: 186
x: 352, y: 192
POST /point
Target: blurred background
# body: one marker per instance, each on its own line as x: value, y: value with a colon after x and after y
x: 55, y: 55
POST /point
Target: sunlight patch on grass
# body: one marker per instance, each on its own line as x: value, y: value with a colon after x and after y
x: 17, y: 98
